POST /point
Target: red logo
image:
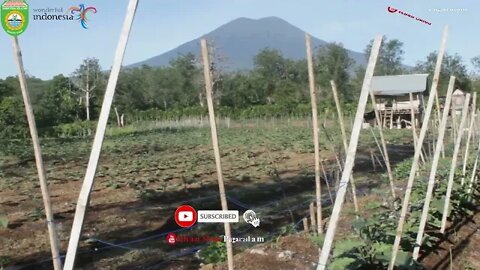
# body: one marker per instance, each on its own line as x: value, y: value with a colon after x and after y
x: 185, y: 216
x: 171, y: 239
x: 392, y: 10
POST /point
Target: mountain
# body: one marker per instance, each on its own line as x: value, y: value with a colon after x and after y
x: 241, y: 39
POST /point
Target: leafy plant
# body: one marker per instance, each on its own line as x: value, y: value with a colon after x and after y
x: 214, y: 253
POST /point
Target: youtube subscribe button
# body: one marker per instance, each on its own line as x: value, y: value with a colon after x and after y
x: 185, y: 216
x: 217, y: 216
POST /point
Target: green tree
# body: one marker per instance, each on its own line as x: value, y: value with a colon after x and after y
x: 390, y: 58
x: 333, y: 63
x: 13, y: 122
x: 58, y: 104
x: 452, y: 65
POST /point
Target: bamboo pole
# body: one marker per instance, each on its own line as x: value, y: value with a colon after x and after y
x: 473, y: 176
x: 433, y: 170
x: 84, y: 196
x: 326, y: 181
x: 345, y: 143
x: 414, y: 129
x: 311, y: 79
x: 305, y: 225
x: 384, y: 145
x: 416, y: 156
x: 57, y: 262
x: 458, y: 141
x: 352, y: 150
x: 312, y: 217
x: 469, y: 136
x: 377, y: 143
x: 213, y: 127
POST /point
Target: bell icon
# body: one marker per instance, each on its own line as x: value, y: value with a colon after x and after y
x: 171, y: 239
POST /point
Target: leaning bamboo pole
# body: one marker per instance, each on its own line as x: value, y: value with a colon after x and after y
x: 469, y: 136
x: 458, y: 141
x: 352, y: 150
x: 84, y: 196
x: 384, y: 145
x: 213, y: 127
x: 311, y: 79
x: 416, y: 156
x: 57, y: 262
x: 433, y: 169
x: 473, y: 176
x: 326, y: 181
x: 414, y: 128
x: 345, y: 143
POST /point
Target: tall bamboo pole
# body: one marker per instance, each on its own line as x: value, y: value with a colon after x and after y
x: 414, y: 129
x: 326, y: 181
x: 384, y: 145
x: 469, y: 136
x: 57, y: 262
x: 458, y: 141
x: 311, y: 79
x: 84, y: 196
x: 345, y: 143
x: 473, y: 176
x: 352, y: 150
x: 211, y: 113
x: 433, y: 170
x: 416, y: 157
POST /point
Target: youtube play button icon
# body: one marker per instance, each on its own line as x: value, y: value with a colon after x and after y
x: 185, y: 216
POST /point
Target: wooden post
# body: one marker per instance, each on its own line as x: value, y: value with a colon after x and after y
x: 326, y: 182
x: 305, y: 225
x: 216, y: 150
x: 344, y: 138
x: 433, y: 170
x: 473, y: 177
x: 57, y: 262
x: 416, y: 156
x: 377, y: 143
x: 372, y: 159
x: 311, y: 79
x: 84, y: 196
x: 384, y: 145
x: 352, y: 150
x: 312, y: 217
x: 458, y: 141
x: 469, y: 136
x: 414, y: 129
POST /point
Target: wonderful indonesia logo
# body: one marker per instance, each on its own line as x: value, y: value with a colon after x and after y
x: 78, y: 13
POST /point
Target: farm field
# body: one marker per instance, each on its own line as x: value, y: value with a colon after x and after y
x: 145, y: 174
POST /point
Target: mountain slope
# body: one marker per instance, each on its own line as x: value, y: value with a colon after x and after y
x: 241, y: 39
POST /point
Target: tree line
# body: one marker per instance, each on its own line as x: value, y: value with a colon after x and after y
x: 276, y: 86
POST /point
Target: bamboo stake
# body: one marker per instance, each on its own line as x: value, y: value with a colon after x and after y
x: 312, y: 217
x: 372, y: 159
x: 57, y: 262
x: 454, y: 124
x: 414, y: 129
x: 345, y: 143
x: 84, y: 196
x: 456, y: 149
x: 469, y: 136
x: 433, y: 170
x: 216, y: 150
x: 326, y: 182
x: 352, y: 150
x: 311, y: 79
x: 473, y: 177
x: 377, y: 143
x: 416, y: 156
x: 384, y: 145
x: 305, y: 225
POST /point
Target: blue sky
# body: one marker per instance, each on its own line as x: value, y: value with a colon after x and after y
x: 50, y: 48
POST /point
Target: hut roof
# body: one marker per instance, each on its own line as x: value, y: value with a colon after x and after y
x: 398, y: 85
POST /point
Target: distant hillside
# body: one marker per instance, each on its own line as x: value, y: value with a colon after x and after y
x: 241, y: 39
